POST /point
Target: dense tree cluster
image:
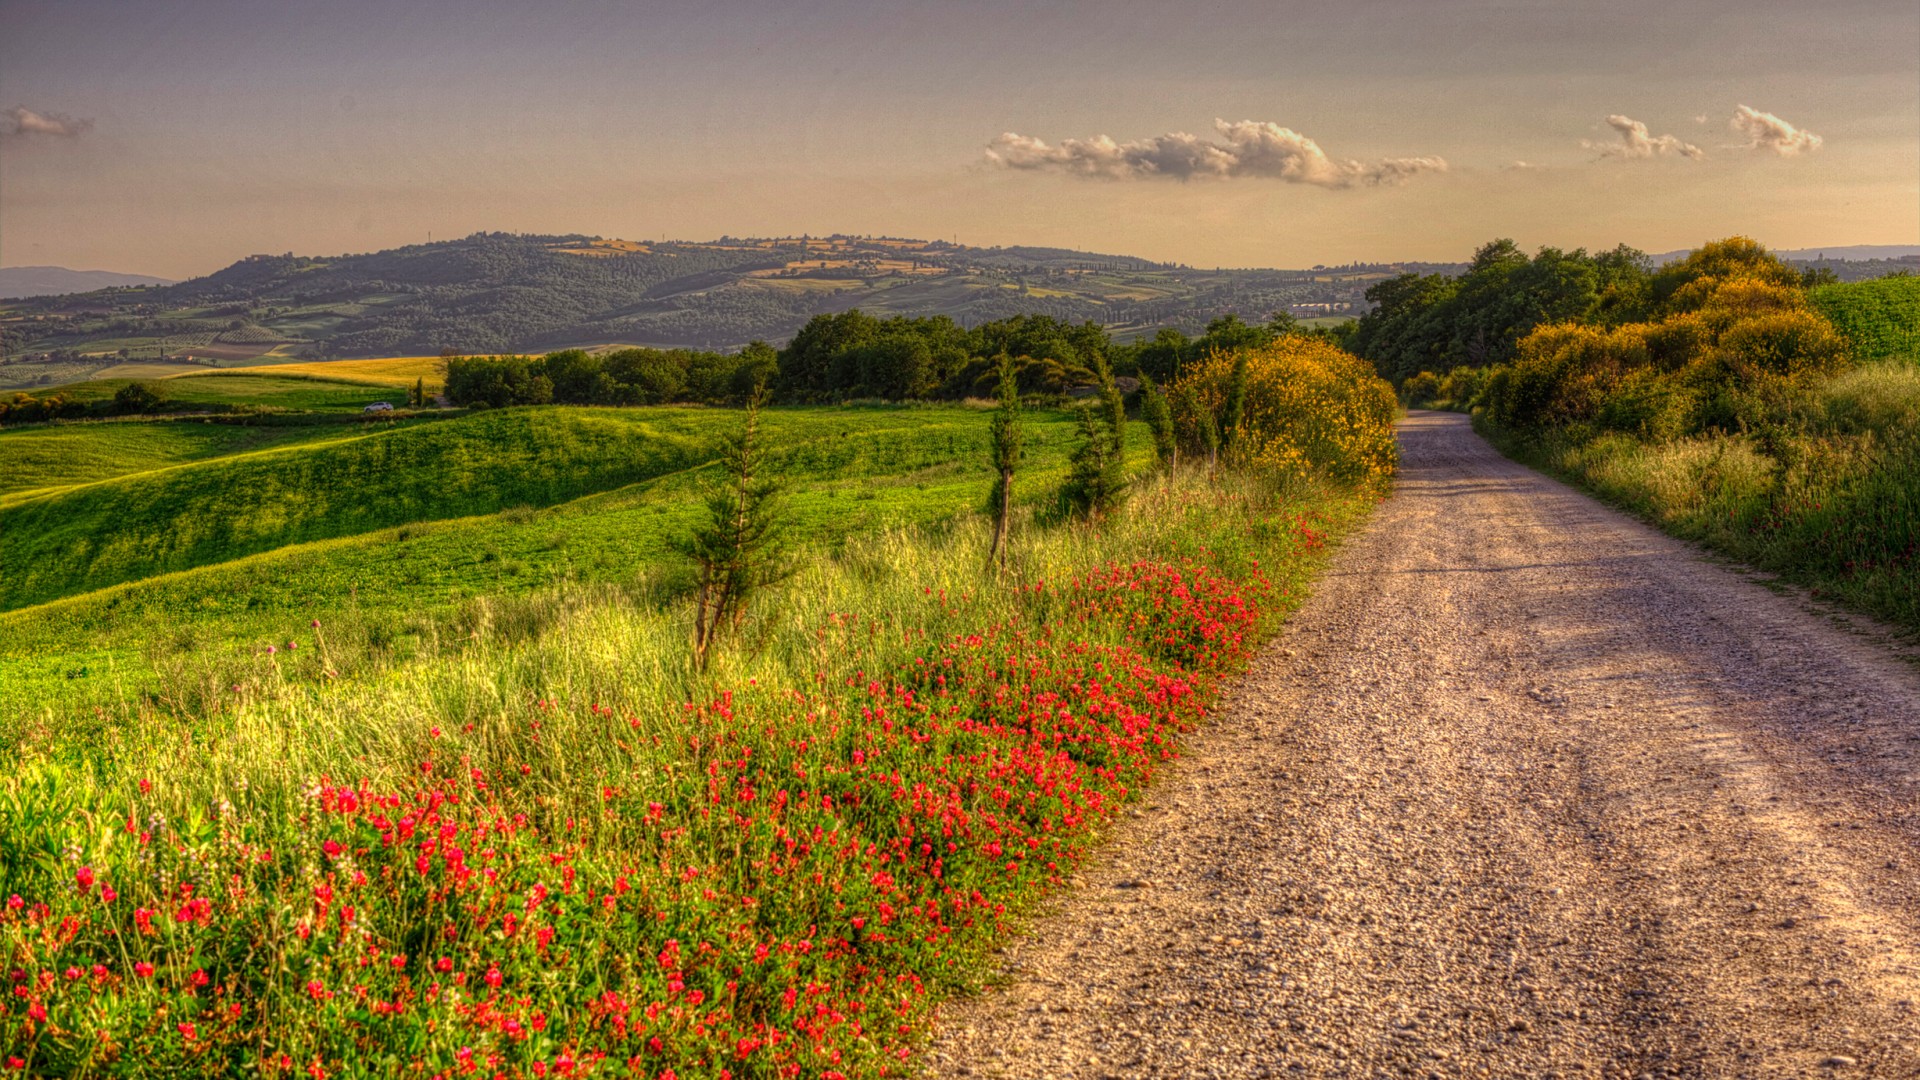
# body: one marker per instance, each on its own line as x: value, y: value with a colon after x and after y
x: 624, y: 377
x: 1438, y: 322
x: 853, y: 355
x: 1728, y: 337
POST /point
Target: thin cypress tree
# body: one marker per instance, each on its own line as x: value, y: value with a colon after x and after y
x: 1095, y: 483
x: 1236, y: 404
x: 1201, y: 432
x: 737, y: 551
x: 1159, y: 417
x: 1006, y: 455
x: 420, y: 393
x: 1113, y: 407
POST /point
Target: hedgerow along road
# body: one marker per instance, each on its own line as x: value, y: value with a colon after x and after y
x: 1527, y: 789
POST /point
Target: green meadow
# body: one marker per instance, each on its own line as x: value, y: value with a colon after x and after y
x: 37, y: 460
x: 155, y: 556
x: 251, y: 389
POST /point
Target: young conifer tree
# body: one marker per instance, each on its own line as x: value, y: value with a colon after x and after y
x: 420, y: 393
x: 1006, y: 455
x: 1159, y: 417
x: 1113, y: 408
x: 737, y: 552
x: 1095, y: 483
x: 1197, y: 427
x: 1236, y: 404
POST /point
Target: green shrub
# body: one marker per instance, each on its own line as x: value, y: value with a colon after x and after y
x: 1423, y: 389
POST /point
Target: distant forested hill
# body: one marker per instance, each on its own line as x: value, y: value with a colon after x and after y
x: 499, y: 292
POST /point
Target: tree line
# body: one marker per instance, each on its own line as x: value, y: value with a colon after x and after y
x: 853, y: 355
x: 625, y: 377
x: 1438, y: 322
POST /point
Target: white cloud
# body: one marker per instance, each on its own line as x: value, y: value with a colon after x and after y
x: 1246, y: 148
x: 1768, y: 133
x: 22, y: 121
x: 1638, y: 142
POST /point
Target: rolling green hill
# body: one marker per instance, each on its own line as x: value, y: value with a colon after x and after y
x: 138, y: 525
x: 851, y: 470
x: 35, y: 460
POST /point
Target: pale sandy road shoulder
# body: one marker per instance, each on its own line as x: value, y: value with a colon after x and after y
x: 1526, y: 790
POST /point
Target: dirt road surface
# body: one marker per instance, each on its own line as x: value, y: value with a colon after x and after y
x: 1526, y: 790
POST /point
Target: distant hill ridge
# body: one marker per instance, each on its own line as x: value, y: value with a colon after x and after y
x: 500, y: 292
x: 506, y: 292
x: 25, y: 281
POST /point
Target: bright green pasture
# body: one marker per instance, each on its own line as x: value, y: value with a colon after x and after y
x: 136, y: 526
x: 850, y: 470
x: 216, y: 388
x: 44, y: 456
x: 1880, y: 317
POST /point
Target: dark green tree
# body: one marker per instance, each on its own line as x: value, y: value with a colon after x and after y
x: 1159, y: 417
x: 1005, y: 429
x: 1236, y: 410
x: 1113, y: 407
x: 1195, y: 425
x: 139, y: 397
x: 1095, y: 483
x: 1163, y: 356
x: 737, y: 551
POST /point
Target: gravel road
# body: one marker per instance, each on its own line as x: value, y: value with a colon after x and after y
x: 1526, y: 790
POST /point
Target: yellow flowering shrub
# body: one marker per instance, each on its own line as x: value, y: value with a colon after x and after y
x: 1312, y: 409
x: 1732, y: 345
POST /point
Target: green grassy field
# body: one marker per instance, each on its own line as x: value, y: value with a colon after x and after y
x: 220, y: 388
x: 251, y: 546
x: 1880, y: 317
x: 138, y: 525
x: 421, y: 702
x: 40, y: 458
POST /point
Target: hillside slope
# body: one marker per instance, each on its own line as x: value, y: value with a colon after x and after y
x: 149, y: 523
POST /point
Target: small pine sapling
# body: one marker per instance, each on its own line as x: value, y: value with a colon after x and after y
x: 1095, y: 483
x: 1005, y: 430
x: 1236, y: 404
x: 1159, y: 417
x: 1195, y: 427
x: 1113, y: 407
x: 737, y: 552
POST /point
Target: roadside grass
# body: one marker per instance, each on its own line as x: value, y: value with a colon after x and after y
x: 455, y: 795
x: 551, y: 844
x: 1827, y: 500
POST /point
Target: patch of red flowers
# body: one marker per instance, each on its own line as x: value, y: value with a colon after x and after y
x: 775, y: 884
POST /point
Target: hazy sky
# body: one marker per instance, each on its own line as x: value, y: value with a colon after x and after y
x: 173, y: 137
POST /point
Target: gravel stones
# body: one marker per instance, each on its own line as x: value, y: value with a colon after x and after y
x: 1527, y: 789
